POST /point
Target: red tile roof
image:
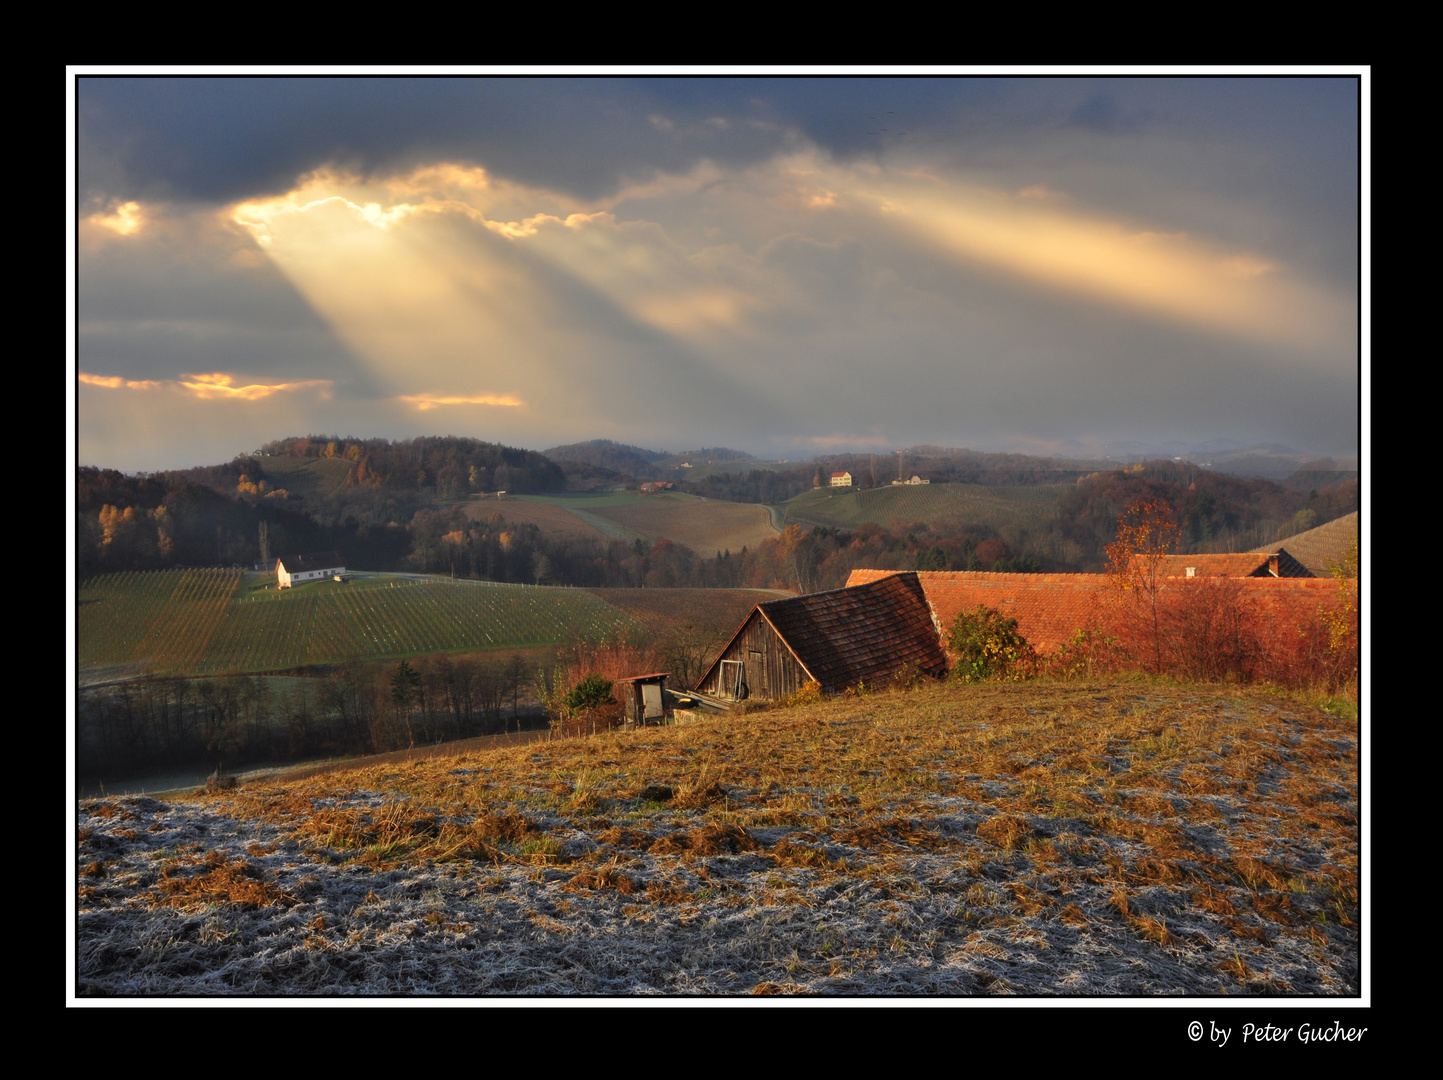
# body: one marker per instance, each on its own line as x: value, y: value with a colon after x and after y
x: 1241, y: 564
x: 1050, y: 608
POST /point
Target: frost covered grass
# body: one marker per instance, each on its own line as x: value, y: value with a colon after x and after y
x: 1041, y: 840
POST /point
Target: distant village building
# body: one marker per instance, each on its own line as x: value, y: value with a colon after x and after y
x: 292, y: 570
x: 905, y: 483
x: 658, y: 485
x: 841, y: 479
x: 838, y: 639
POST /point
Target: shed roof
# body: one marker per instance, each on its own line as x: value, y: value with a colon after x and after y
x: 853, y: 635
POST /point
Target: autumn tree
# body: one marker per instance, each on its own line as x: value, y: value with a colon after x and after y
x: 1146, y: 535
x: 1342, y: 620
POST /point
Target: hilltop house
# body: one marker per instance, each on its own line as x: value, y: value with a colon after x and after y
x: 838, y: 638
x: 294, y: 570
x: 841, y: 479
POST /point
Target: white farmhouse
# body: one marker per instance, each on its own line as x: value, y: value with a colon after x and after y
x: 299, y: 569
x: 841, y: 479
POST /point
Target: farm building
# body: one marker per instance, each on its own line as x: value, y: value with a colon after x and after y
x: 294, y: 570
x: 841, y: 479
x: 643, y: 697
x: 838, y: 639
x: 1051, y: 608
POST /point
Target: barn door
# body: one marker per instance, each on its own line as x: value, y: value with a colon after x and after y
x: 757, y: 668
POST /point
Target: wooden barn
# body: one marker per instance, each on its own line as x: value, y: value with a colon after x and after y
x: 839, y: 639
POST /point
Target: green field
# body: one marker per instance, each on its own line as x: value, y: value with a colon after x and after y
x: 1017, y: 507
x: 210, y: 622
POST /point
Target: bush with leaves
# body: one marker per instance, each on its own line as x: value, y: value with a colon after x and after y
x: 590, y: 692
x: 988, y: 648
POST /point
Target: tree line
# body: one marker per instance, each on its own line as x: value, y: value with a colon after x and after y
x: 354, y: 709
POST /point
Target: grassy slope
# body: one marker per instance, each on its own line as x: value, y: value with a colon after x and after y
x: 546, y: 516
x: 704, y: 525
x: 205, y: 622
x: 1037, y: 839
x: 666, y: 610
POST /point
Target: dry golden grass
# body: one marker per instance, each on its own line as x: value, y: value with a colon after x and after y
x: 1213, y: 831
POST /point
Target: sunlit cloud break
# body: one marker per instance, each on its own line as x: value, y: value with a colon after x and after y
x: 123, y: 219
x: 214, y: 385
x: 218, y: 385
x: 423, y: 402
x: 115, y: 382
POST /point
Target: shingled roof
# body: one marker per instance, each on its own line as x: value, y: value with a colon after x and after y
x: 1050, y: 608
x: 853, y: 635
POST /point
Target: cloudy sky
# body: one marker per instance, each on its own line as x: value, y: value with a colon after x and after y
x: 782, y: 265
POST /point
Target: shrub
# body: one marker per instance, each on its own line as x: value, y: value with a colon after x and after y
x: 810, y: 693
x: 989, y: 648
x: 589, y: 693
x: 1089, y: 653
x: 1210, y: 631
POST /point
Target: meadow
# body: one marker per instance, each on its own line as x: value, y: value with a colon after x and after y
x: 1045, y: 839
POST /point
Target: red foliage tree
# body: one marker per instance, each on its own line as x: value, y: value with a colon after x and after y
x: 1146, y: 534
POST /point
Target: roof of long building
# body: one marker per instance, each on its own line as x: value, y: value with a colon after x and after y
x: 1051, y: 608
x: 1234, y: 564
x: 315, y: 560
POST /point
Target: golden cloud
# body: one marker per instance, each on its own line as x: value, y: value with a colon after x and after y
x: 115, y: 382
x: 124, y: 219
x: 219, y: 385
x: 424, y: 402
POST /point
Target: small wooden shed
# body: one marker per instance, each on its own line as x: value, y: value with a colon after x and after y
x: 643, y: 698
x: 840, y: 638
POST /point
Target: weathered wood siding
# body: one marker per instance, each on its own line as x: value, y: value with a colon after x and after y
x: 771, y: 670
